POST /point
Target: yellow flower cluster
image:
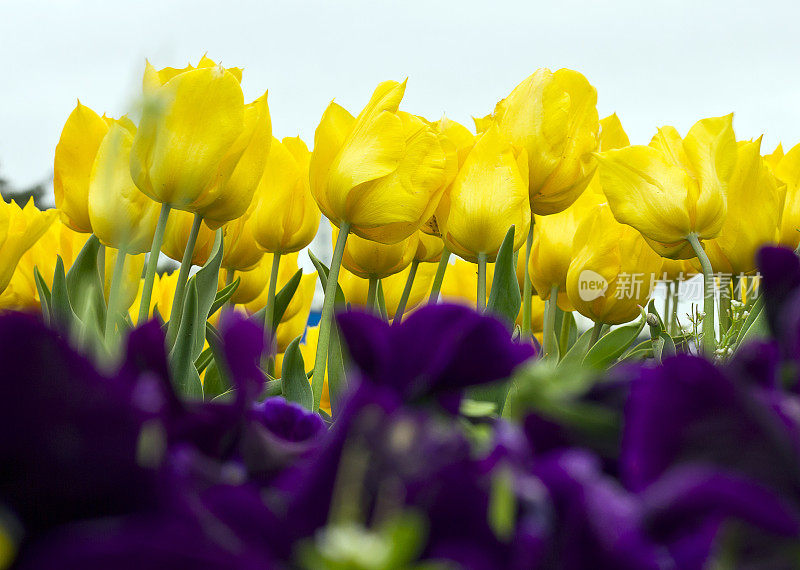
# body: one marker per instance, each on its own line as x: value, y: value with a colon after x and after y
x: 402, y: 193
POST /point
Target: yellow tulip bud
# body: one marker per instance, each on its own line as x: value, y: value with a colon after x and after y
x: 429, y: 248
x: 240, y: 250
x: 20, y: 229
x: 673, y: 188
x: 121, y: 216
x: 551, y: 252
x: 199, y: 147
x: 613, y: 270
x: 370, y: 259
x: 772, y: 159
x: 553, y: 116
x: 488, y: 196
x: 251, y: 282
x: 460, y: 284
x: 301, y: 301
x: 75, y: 153
x: 176, y: 237
x: 154, y: 78
x: 381, y: 172
x: 788, y: 172
x: 286, y: 217
x: 295, y: 319
x: 755, y: 199
x: 356, y: 288
x: 131, y: 277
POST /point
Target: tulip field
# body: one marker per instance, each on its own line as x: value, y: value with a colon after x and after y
x: 499, y: 366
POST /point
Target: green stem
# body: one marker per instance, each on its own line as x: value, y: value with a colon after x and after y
x: 548, y: 328
x: 667, y: 299
x: 724, y: 308
x: 183, y: 278
x: 230, y: 274
x: 527, y: 289
x: 114, y: 293
x: 401, y: 306
x: 709, y: 340
x: 481, y: 282
x: 326, y: 317
x: 439, y: 277
x: 596, y: 330
x: 269, y: 312
x: 152, y: 263
x: 372, y: 293
x: 673, y: 318
x: 563, y: 338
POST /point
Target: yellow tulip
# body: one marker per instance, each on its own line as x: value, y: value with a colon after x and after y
x: 537, y: 314
x: 674, y: 187
x: 240, y: 250
x: 161, y: 300
x: 75, y: 153
x: 199, y: 147
x: 488, y: 196
x: 612, y: 135
x: 286, y: 218
x: 20, y: 229
x: 294, y: 320
x: 755, y: 200
x: 787, y: 170
x: 308, y: 349
x: 21, y: 292
x: 154, y: 78
x: 680, y: 269
x: 456, y: 141
x: 356, y: 288
x: 176, y: 237
x: 613, y: 270
x: 120, y: 215
x: 553, y: 235
x: 429, y: 248
x: 373, y: 260
x: 460, y: 284
x: 131, y: 277
x: 382, y: 172
x: 772, y: 159
x: 251, y: 282
x: 553, y: 116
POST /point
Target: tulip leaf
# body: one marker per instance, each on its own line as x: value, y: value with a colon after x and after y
x: 182, y: 358
x: 336, y: 371
x: 568, y: 331
x: 613, y: 345
x: 755, y: 327
x: 202, y: 362
x: 282, y: 300
x: 502, y: 504
x: 61, y: 313
x: 663, y: 346
x: 44, y: 293
x: 294, y: 382
x: 323, y: 270
x: 505, y: 298
x: 206, y: 281
x: 217, y: 378
x: 224, y: 295
x: 85, y: 282
x: 577, y: 351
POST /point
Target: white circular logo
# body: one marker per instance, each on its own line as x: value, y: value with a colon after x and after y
x: 591, y: 285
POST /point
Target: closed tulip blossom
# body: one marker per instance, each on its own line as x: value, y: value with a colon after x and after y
x: 787, y: 170
x: 611, y: 273
x: 176, y: 238
x: 72, y: 168
x: 20, y: 229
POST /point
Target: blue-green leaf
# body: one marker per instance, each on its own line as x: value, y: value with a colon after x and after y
x: 182, y: 358
x: 224, y: 295
x: 613, y: 345
x: 294, y: 381
x: 504, y: 298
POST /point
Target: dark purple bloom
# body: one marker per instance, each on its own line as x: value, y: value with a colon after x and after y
x: 436, y: 352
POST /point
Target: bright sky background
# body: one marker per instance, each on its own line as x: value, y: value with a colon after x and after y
x: 653, y: 62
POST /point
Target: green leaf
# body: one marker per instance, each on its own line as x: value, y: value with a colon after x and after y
x: 84, y: 282
x: 184, y: 373
x: 206, y: 357
x: 223, y: 296
x: 337, y: 380
x: 381, y: 302
x: 568, y: 332
x: 505, y: 298
x: 61, y: 313
x: 613, y: 345
x: 577, y: 353
x: 757, y: 327
x: 322, y: 269
x: 282, y: 300
x: 502, y: 505
x: 44, y: 294
x: 476, y: 408
x: 296, y: 387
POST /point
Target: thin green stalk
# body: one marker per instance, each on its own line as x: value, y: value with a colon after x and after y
x: 596, y: 330
x: 549, y: 325
x: 439, y: 277
x: 230, y: 274
x: 269, y: 311
x: 114, y: 293
x: 709, y: 339
x: 724, y: 308
x: 673, y: 318
x: 183, y: 278
x: 527, y: 289
x: 481, y: 282
x: 563, y: 338
x: 667, y: 299
x: 401, y: 306
x: 101, y: 261
x: 372, y: 293
x: 326, y: 317
x: 152, y: 263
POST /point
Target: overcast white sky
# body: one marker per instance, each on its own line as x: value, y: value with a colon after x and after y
x: 653, y: 62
